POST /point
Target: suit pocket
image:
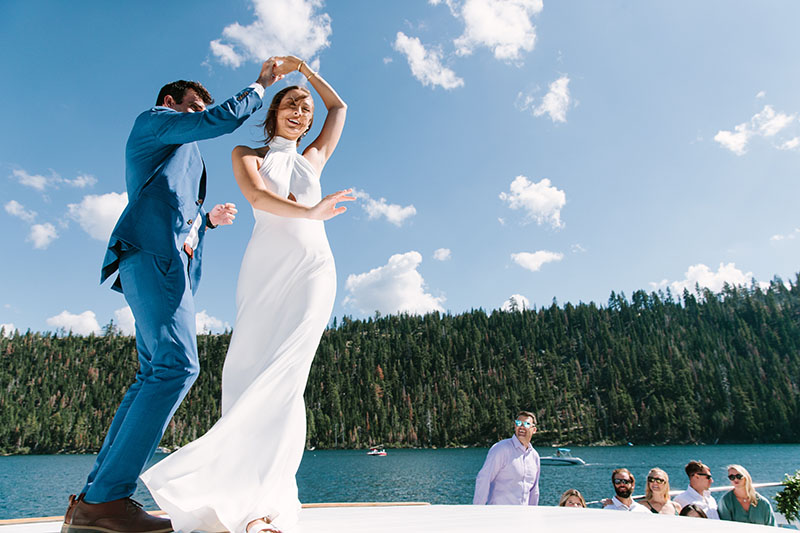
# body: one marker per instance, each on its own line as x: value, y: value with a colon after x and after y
x: 163, y: 264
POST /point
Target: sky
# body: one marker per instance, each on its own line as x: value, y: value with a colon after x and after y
x: 520, y: 149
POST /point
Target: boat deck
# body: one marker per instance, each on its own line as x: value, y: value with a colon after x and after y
x: 405, y: 518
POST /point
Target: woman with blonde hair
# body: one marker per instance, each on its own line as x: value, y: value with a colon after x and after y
x: 572, y: 498
x: 743, y: 503
x: 656, y: 494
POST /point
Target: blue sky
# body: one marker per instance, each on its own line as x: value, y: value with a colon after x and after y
x: 541, y: 149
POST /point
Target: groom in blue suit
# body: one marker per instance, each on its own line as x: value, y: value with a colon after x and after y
x: 157, y: 248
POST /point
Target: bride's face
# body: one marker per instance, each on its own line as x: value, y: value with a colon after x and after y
x: 294, y: 114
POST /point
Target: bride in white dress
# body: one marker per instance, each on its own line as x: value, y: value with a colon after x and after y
x: 240, y: 476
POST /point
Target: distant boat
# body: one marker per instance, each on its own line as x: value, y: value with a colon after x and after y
x: 563, y: 457
x: 163, y: 449
x: 377, y: 451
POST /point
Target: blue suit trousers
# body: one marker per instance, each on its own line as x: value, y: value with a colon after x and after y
x: 160, y: 295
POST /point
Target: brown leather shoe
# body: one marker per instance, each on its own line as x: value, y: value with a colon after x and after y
x: 119, y: 516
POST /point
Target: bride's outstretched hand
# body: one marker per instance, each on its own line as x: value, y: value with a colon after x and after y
x: 326, y: 208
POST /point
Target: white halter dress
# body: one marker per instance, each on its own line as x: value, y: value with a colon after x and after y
x: 245, y: 466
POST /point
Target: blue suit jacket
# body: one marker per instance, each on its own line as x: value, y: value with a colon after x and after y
x: 165, y: 178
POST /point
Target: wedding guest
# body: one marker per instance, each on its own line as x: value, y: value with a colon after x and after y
x: 693, y: 510
x: 700, y: 480
x: 743, y: 503
x: 572, y: 498
x: 656, y: 494
x: 510, y: 474
x: 624, y: 483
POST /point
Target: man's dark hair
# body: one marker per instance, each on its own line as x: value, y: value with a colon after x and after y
x: 177, y: 89
x: 527, y: 414
x: 621, y: 471
x: 694, y: 467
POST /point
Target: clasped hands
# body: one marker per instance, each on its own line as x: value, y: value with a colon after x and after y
x: 276, y: 67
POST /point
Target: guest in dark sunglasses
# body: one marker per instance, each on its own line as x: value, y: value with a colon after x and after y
x: 700, y: 481
x: 743, y: 503
x: 656, y: 494
x: 624, y: 483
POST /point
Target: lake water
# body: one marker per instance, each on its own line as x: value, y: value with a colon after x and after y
x: 39, y: 485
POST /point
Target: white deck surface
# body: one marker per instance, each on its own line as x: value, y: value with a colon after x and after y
x: 469, y: 518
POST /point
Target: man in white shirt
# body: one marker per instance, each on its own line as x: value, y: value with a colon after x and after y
x: 624, y: 482
x: 510, y: 474
x: 700, y: 481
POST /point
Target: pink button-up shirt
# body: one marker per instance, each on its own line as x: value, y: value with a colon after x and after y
x: 510, y: 475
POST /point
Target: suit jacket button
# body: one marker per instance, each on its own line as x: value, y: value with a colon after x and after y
x: 199, y: 202
x: 189, y: 222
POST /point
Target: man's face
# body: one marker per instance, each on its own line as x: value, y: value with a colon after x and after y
x: 524, y: 428
x: 701, y: 480
x: 623, y: 484
x: 191, y: 103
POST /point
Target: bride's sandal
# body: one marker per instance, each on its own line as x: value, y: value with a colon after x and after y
x: 263, y: 524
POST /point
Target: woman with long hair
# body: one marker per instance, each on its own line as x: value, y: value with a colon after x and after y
x: 572, y: 498
x: 743, y: 503
x: 240, y: 476
x: 656, y: 494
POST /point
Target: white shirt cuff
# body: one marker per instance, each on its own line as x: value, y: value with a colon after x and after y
x: 258, y: 88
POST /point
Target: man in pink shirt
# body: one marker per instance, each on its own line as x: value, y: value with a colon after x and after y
x: 510, y: 475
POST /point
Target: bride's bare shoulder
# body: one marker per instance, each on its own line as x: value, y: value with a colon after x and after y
x: 242, y: 151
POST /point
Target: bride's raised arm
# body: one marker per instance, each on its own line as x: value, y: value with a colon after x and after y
x: 322, y: 147
x: 245, y: 169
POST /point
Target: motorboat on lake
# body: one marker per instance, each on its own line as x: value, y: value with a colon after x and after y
x: 377, y: 451
x: 562, y: 457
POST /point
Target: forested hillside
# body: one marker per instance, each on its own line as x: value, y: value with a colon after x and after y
x: 704, y: 367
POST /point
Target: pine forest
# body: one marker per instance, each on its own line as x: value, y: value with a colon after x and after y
x: 656, y: 368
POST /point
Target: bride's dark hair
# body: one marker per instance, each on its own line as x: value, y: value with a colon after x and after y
x: 271, y: 120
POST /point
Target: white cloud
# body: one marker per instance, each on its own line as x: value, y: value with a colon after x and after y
x: 41, y: 235
x: 441, y: 254
x: 8, y: 329
x: 394, y: 213
x: 82, y: 324
x: 426, y: 65
x: 97, y: 214
x: 206, y: 323
x: 226, y: 54
x: 735, y: 141
x: 761, y: 94
x: 40, y: 183
x: 82, y: 181
x: 791, y: 144
x: 516, y: 302
x: 16, y: 209
x: 123, y: 319
x: 541, y: 201
x: 35, y: 181
x: 765, y: 123
x: 280, y: 27
x: 396, y: 287
x: 503, y: 26
x: 577, y: 248
x: 703, y: 276
x: 787, y: 237
x: 534, y: 261
x: 556, y: 102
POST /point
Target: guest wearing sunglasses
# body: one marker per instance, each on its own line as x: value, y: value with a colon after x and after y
x: 700, y: 481
x: 743, y: 503
x: 624, y: 483
x: 510, y: 474
x: 656, y: 494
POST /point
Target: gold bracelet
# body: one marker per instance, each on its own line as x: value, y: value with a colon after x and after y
x: 301, y: 66
x: 309, y: 69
